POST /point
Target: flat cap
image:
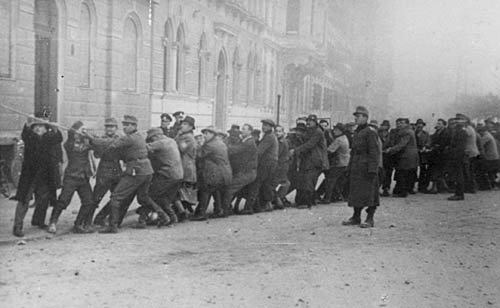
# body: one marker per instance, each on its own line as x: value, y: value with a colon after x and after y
x: 156, y: 131
x: 210, y: 129
x: 189, y: 120
x: 110, y: 122
x: 268, y: 122
x: 129, y: 119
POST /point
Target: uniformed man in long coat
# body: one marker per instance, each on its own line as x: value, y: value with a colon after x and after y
x: 108, y: 171
x: 407, y: 158
x: 459, y: 161
x: 137, y: 176
x: 313, y: 160
x: 280, y: 179
x: 39, y: 172
x: 216, y: 173
x: 363, y: 171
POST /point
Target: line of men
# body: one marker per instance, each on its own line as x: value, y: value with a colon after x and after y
x: 169, y: 176
x: 171, y: 170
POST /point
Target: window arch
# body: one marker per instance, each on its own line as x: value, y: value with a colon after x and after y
x: 202, y: 65
x: 84, y: 45
x: 293, y: 16
x: 250, y: 77
x: 130, y: 52
x: 236, y: 75
x: 167, y: 47
x: 179, y: 76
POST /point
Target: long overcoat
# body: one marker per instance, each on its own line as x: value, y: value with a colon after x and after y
x: 363, y: 168
x: 187, y: 147
x: 39, y: 162
x: 214, y: 160
x: 406, y: 150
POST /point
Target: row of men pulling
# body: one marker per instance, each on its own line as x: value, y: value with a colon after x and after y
x: 159, y: 171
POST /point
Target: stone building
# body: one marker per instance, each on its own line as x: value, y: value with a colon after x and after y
x: 221, y: 61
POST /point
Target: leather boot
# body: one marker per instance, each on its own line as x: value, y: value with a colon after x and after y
x: 80, y: 220
x: 163, y: 219
x: 369, y: 222
x: 355, y: 219
x: 433, y: 190
x: 248, y: 209
x: 21, y: 210
x: 114, y: 216
x: 100, y: 218
x: 171, y: 214
x: 278, y: 204
x: 268, y: 207
x: 90, y: 216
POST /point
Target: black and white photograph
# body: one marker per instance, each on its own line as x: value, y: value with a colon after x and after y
x: 249, y: 153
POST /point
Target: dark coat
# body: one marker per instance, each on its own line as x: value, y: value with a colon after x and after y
x: 77, y: 149
x: 281, y: 173
x: 458, y: 144
x: 214, y: 160
x: 267, y: 151
x: 440, y: 140
x: 363, y: 168
x: 165, y: 158
x: 312, y: 153
x: 109, y: 164
x: 406, y: 150
x: 39, y: 153
x: 187, y: 148
x: 243, y: 156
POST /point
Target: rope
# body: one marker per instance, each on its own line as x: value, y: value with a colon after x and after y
x: 33, y: 117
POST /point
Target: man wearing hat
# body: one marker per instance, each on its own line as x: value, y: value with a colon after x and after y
x: 166, y: 120
x: 456, y: 152
x: 167, y: 178
x: 363, y: 171
x: 216, y: 173
x: 439, y: 141
x: 234, y: 135
x: 243, y: 160
x: 138, y: 173
x: 108, y: 171
x: 407, y: 158
x: 39, y: 172
x: 261, y: 191
x: 472, y: 152
x: 423, y: 143
x: 296, y: 137
x: 179, y: 116
x: 187, y: 147
x: 313, y: 160
x: 339, y: 156
x: 76, y: 179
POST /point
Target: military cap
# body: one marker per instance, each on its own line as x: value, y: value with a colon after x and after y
x: 129, y: 119
x: 462, y: 117
x: 361, y: 110
x: 312, y: 117
x: 110, y: 122
x: 178, y: 113
x: 420, y: 121
x: 234, y: 128
x: 210, y: 129
x: 155, y: 131
x: 166, y: 117
x: 189, y: 120
x: 268, y: 122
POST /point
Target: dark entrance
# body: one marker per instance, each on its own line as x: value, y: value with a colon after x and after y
x: 46, y: 40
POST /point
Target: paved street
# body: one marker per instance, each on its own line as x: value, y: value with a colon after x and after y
x: 424, y: 252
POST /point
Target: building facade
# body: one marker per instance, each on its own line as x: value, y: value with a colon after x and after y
x: 221, y: 61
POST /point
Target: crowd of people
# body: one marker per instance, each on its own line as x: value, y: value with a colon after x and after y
x: 174, y: 174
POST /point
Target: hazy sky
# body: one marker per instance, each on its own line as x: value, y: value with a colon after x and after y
x: 442, y: 47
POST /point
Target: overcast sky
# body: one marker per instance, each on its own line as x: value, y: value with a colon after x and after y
x: 442, y: 47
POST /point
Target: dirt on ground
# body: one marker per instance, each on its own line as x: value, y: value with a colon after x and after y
x: 423, y: 252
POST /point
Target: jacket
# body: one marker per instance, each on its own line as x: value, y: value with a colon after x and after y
x: 243, y: 156
x: 187, y: 147
x: 406, y: 150
x: 77, y: 149
x: 312, y: 153
x: 267, y: 150
x: 165, y: 158
x: 109, y: 164
x: 214, y: 162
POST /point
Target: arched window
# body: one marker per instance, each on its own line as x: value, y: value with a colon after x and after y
x: 250, y: 78
x: 130, y: 41
x: 84, y: 41
x: 236, y: 75
x: 293, y: 16
x: 179, y: 76
x: 202, y: 65
x: 167, y: 47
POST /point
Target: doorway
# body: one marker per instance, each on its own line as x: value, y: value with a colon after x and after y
x: 46, y: 26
